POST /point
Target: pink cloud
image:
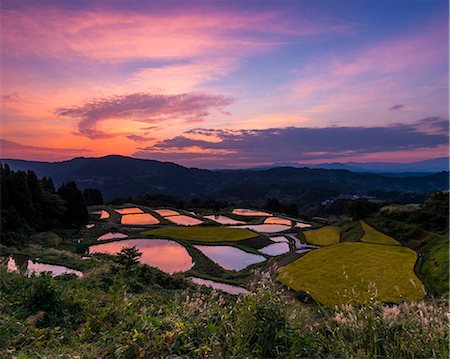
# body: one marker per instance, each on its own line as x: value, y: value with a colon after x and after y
x: 14, y: 150
x: 400, y: 69
x: 141, y: 107
x: 110, y: 35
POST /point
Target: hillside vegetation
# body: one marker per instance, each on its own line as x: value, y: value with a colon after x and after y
x: 113, y: 314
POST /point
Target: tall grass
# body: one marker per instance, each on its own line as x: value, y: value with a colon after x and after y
x: 112, y: 322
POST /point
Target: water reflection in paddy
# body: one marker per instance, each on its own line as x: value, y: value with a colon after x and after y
x: 265, y: 228
x: 38, y: 268
x: 249, y: 212
x: 278, y: 220
x: 166, y: 212
x: 139, y: 218
x: 275, y: 249
x: 184, y: 220
x: 230, y: 258
x: 302, y: 225
x: 129, y: 210
x: 224, y: 219
x: 279, y: 239
x: 228, y: 288
x: 103, y: 214
x: 166, y: 255
x: 111, y: 235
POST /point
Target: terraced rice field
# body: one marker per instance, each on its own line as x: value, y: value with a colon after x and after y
x: 343, y: 273
x: 203, y: 234
x: 139, y: 219
x: 324, y: 236
x: 224, y: 220
x: 183, y: 220
x: 371, y: 235
x: 250, y: 212
x: 278, y: 220
x: 131, y: 210
x: 167, y: 212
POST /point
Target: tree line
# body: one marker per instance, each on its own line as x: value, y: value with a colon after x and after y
x: 29, y: 205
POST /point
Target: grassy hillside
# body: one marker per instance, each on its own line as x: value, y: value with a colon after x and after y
x: 324, y: 236
x: 345, y: 272
x: 371, y: 235
x: 113, y: 314
x: 203, y: 234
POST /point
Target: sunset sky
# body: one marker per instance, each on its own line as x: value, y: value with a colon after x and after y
x: 225, y: 84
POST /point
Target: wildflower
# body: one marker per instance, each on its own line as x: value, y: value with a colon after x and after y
x: 390, y: 314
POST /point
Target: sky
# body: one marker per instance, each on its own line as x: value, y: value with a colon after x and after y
x: 215, y: 84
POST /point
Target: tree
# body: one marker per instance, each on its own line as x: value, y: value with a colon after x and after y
x: 77, y: 213
x: 128, y: 257
x: 92, y: 196
x: 361, y: 208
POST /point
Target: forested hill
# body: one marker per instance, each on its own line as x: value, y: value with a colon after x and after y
x: 118, y: 176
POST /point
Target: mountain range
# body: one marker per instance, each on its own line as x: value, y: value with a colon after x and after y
x: 119, y: 176
x: 426, y: 166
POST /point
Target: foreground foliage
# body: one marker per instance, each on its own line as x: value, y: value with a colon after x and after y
x: 95, y: 318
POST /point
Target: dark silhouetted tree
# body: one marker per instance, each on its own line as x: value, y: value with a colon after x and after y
x: 92, y: 196
x: 77, y: 213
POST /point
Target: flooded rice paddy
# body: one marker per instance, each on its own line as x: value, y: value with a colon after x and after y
x: 250, y: 212
x: 103, y: 214
x: 183, y: 220
x: 279, y: 239
x: 166, y: 255
x: 265, y: 228
x: 131, y: 210
x: 139, y: 218
x: 111, y: 235
x: 278, y: 220
x: 228, y: 288
x: 224, y: 220
x: 31, y: 267
x: 230, y: 258
x: 275, y: 249
x: 167, y: 212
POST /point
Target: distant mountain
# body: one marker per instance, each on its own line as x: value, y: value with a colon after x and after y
x: 427, y: 166
x: 125, y: 176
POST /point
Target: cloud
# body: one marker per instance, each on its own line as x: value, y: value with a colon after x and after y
x: 119, y: 32
x: 237, y: 148
x: 14, y: 150
x: 365, y: 80
x: 138, y: 138
x: 396, y: 107
x: 142, y: 107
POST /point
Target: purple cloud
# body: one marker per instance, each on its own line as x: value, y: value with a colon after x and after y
x: 138, y: 138
x: 14, y: 150
x: 149, y: 108
x: 293, y: 144
x: 396, y: 107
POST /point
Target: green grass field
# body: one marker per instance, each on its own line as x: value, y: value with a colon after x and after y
x: 203, y: 234
x: 324, y: 236
x: 371, y: 235
x: 342, y: 273
x: 434, y: 270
